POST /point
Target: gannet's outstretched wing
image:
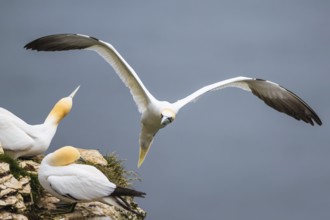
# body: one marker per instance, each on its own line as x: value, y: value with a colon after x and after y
x: 271, y: 93
x: 60, y: 42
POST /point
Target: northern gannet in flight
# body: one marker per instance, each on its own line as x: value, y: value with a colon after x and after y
x: 70, y: 182
x: 19, y: 139
x: 157, y: 114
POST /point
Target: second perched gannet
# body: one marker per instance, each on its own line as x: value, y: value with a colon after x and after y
x: 19, y: 139
x: 79, y: 182
x: 157, y: 114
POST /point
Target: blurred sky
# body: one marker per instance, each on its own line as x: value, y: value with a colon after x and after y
x: 228, y: 156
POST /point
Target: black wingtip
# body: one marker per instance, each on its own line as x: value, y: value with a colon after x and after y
x: 315, y: 119
x: 29, y: 45
x: 318, y: 121
x: 60, y: 42
x: 307, y: 114
x: 121, y: 191
x: 312, y: 116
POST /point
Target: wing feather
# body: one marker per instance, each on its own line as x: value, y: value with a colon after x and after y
x: 60, y: 42
x: 12, y: 136
x: 271, y: 93
x: 83, y: 184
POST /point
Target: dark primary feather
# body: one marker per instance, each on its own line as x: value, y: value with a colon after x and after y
x: 121, y: 191
x: 59, y: 42
x: 118, y: 194
x: 283, y: 100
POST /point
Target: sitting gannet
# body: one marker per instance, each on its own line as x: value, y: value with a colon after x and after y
x: 79, y: 182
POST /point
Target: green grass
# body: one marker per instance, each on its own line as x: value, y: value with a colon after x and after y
x: 15, y: 168
x: 17, y: 171
x: 116, y: 172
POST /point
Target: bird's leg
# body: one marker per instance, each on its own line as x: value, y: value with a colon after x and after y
x: 64, y: 208
x: 73, y: 206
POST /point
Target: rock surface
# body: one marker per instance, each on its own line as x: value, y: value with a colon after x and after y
x: 16, y: 199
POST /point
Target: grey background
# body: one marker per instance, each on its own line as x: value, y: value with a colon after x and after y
x: 228, y: 156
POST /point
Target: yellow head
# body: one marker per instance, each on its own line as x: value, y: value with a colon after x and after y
x: 61, y: 108
x: 64, y: 156
x: 167, y: 116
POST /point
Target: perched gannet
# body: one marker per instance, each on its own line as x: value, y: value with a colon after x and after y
x: 157, y: 114
x: 19, y: 139
x: 79, y: 182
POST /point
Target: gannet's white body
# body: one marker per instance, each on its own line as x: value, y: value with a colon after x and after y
x: 19, y: 139
x: 78, y: 182
x: 157, y: 114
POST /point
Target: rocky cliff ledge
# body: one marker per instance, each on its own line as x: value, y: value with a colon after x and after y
x: 21, y: 196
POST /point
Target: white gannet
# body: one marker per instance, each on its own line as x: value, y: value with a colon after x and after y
x: 70, y: 182
x: 19, y: 139
x: 157, y: 114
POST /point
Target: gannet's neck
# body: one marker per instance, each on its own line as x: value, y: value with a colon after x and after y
x: 59, y: 111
